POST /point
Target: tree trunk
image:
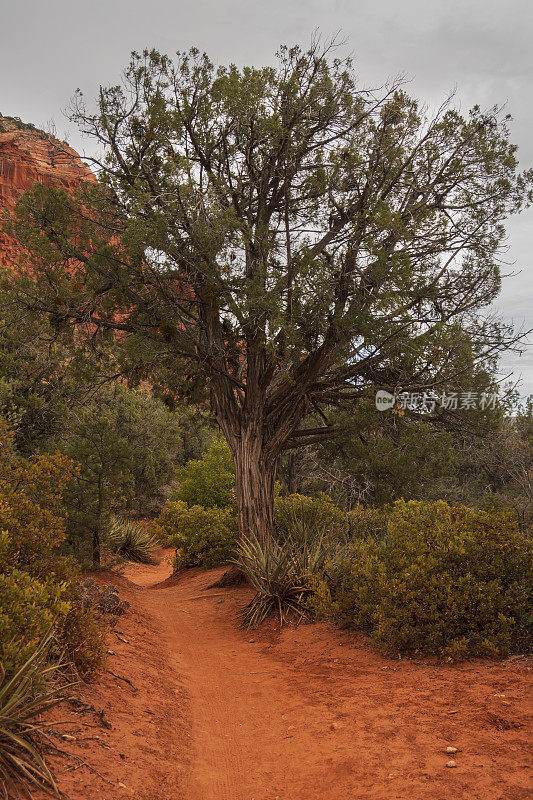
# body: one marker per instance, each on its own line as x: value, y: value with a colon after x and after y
x: 254, y: 488
x: 96, y: 548
x: 98, y: 527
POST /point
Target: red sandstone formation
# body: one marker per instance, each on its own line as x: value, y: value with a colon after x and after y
x: 27, y: 155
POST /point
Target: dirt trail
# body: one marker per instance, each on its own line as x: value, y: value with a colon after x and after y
x: 303, y: 714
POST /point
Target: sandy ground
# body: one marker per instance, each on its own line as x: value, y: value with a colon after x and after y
x: 194, y: 708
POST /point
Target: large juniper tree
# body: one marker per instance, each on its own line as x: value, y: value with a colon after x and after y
x: 280, y: 237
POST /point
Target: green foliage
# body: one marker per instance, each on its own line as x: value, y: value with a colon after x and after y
x: 379, y: 457
x: 449, y: 580
x: 41, y: 374
x: 299, y: 517
x: 36, y: 581
x: 279, y: 581
x: 81, y: 637
x: 125, y: 443
x: 23, y: 698
x: 202, y: 536
x: 210, y: 480
x: 132, y: 540
x: 31, y: 512
x: 28, y: 608
x: 366, y: 522
x: 282, y: 570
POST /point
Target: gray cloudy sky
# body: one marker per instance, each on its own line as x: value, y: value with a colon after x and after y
x: 481, y: 48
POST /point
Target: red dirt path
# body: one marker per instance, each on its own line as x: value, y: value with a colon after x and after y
x: 308, y: 713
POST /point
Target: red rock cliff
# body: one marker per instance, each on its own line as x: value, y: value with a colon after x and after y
x: 27, y: 155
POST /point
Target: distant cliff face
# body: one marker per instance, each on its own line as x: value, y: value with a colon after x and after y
x: 27, y: 155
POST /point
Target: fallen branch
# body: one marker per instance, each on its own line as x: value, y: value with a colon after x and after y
x: 122, y: 678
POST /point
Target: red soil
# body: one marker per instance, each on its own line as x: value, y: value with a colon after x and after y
x: 308, y: 713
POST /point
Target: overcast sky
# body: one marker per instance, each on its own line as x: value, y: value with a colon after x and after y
x: 481, y: 48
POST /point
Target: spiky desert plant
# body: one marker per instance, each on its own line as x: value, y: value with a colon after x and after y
x: 279, y: 572
x: 23, y: 697
x: 132, y: 540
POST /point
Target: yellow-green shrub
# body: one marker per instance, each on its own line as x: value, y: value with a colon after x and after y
x: 37, y: 583
x: 449, y: 580
x: 298, y: 517
x: 31, y: 514
x: 202, y: 536
x: 367, y: 522
x: 209, y: 481
x: 81, y: 634
x: 28, y: 608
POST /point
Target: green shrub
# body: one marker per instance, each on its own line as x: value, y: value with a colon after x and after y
x: 132, y: 540
x: 155, y: 530
x: 28, y: 608
x: 449, y: 580
x: 202, y: 536
x: 31, y: 512
x: 299, y: 517
x: 37, y: 583
x: 365, y: 523
x: 209, y: 481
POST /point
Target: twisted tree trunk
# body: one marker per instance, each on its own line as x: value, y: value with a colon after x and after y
x: 254, y: 486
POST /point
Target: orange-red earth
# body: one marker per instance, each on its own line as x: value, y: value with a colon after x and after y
x: 191, y: 707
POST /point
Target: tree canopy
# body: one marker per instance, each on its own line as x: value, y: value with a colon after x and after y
x: 280, y: 239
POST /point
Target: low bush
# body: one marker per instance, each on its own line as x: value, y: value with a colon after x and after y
x: 299, y: 517
x: 448, y: 580
x: 28, y: 608
x: 132, y: 540
x: 209, y: 481
x: 155, y: 530
x: 31, y: 512
x: 365, y: 522
x: 80, y: 637
x: 202, y: 536
x: 37, y: 583
x: 279, y: 582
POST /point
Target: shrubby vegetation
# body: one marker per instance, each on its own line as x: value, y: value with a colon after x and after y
x: 209, y: 481
x: 132, y: 540
x: 110, y: 381
x: 202, y: 536
x: 281, y: 572
x: 126, y: 444
x: 23, y: 697
x: 299, y: 517
x: 37, y: 583
x: 448, y: 580
x: 28, y: 610
x: 200, y: 518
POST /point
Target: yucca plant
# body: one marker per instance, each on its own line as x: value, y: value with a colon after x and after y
x: 23, y: 697
x: 280, y: 574
x: 274, y: 574
x: 132, y: 540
